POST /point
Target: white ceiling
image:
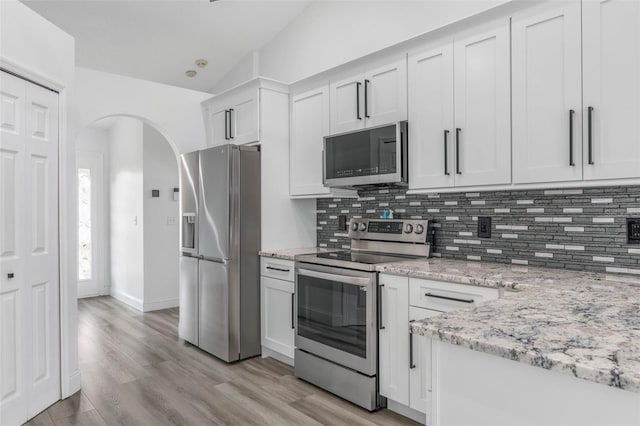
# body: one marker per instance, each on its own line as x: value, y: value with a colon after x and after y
x: 159, y: 40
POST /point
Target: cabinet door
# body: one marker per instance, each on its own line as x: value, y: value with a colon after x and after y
x: 431, y: 118
x: 420, y: 374
x: 347, y: 112
x: 394, y: 338
x: 547, y: 95
x: 218, y: 126
x: 277, y: 315
x: 385, y: 94
x: 309, y: 124
x: 611, y: 66
x: 245, y: 126
x: 483, y: 108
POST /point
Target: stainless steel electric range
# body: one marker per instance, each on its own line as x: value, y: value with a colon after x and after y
x: 337, y: 303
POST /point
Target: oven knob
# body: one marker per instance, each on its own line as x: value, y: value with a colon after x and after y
x: 408, y: 228
x: 363, y: 226
x: 354, y: 226
x: 419, y: 229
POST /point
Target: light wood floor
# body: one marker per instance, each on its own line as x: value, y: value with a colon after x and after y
x: 135, y: 371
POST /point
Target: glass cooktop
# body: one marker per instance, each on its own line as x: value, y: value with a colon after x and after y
x: 359, y: 257
x: 364, y: 261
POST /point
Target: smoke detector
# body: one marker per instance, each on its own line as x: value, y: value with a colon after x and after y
x: 191, y: 73
x: 201, y: 63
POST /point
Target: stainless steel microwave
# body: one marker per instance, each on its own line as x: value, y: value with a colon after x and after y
x: 376, y: 156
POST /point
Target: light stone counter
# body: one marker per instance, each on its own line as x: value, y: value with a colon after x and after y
x: 583, y: 324
x: 290, y: 254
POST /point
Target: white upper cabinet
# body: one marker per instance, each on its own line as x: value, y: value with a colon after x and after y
x: 219, y: 126
x: 346, y: 107
x: 431, y: 118
x: 611, y: 89
x: 234, y: 116
x: 483, y: 108
x: 243, y: 117
x: 309, y: 125
x: 385, y: 94
x: 547, y: 94
x: 459, y: 112
x: 369, y: 99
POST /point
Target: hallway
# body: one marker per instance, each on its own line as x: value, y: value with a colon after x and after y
x: 135, y: 371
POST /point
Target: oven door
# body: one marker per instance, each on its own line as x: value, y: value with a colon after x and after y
x: 336, y: 315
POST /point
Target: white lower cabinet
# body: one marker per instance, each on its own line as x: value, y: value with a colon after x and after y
x: 277, y: 309
x: 394, y: 338
x: 420, y: 369
x: 407, y: 361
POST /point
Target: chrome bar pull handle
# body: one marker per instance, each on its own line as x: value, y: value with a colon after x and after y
x: 571, y: 114
x: 411, y: 364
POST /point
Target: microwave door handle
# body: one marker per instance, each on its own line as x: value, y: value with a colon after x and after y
x: 333, y: 277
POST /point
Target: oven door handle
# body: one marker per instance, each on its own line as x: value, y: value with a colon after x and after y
x: 345, y: 279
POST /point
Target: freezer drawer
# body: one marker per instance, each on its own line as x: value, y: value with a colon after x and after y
x: 214, y: 318
x: 188, y: 324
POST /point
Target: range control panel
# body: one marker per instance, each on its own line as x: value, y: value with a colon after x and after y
x: 399, y: 230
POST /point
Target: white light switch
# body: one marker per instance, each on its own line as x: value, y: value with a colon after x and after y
x: 171, y: 220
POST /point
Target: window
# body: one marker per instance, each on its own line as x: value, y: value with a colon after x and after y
x: 85, y: 255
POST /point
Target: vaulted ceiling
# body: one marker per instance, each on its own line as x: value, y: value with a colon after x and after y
x: 159, y: 40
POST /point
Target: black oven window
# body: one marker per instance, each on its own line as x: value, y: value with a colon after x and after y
x: 364, y: 153
x: 333, y: 313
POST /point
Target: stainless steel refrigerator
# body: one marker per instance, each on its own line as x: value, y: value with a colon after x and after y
x: 219, y: 264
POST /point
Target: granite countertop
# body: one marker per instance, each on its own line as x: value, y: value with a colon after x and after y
x: 578, y: 323
x: 290, y: 254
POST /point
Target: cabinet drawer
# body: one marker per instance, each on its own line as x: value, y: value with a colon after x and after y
x: 277, y: 268
x: 445, y: 297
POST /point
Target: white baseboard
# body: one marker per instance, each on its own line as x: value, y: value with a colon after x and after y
x: 403, y: 410
x: 73, y: 384
x: 276, y: 355
x: 134, y: 302
x: 155, y: 305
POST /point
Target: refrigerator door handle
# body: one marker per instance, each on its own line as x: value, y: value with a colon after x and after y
x: 214, y: 259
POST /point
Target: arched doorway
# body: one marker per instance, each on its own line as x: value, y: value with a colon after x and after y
x: 127, y: 172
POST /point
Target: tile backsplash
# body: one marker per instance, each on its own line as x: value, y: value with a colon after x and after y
x: 583, y: 229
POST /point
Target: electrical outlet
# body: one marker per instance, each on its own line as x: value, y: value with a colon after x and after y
x: 633, y: 231
x: 342, y: 222
x: 484, y: 227
x: 171, y: 220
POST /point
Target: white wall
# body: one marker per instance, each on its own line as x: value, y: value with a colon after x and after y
x: 174, y: 111
x: 33, y: 47
x: 94, y: 142
x: 246, y: 69
x: 126, y: 211
x: 160, y: 171
x: 30, y: 41
x: 329, y: 33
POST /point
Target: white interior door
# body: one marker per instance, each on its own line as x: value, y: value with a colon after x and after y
x: 547, y: 94
x: 431, y: 118
x: 91, y: 223
x: 29, y: 285
x: 611, y: 49
x: 483, y: 107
